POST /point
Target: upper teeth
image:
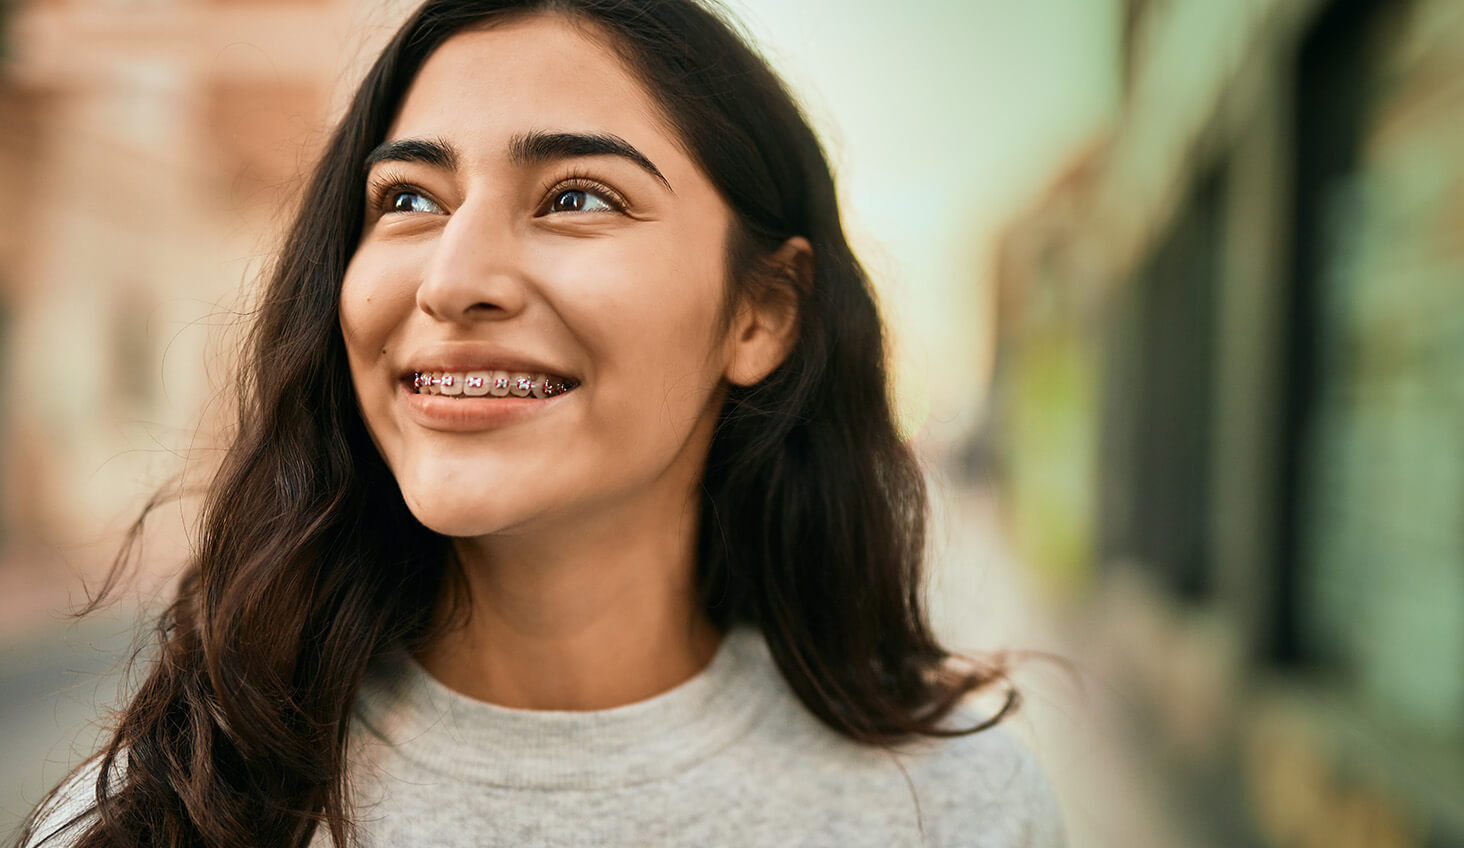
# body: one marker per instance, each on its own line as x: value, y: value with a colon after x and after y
x: 496, y: 383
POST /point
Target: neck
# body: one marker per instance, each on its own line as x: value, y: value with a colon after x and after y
x: 600, y: 617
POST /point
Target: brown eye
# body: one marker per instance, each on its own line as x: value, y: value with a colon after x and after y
x: 579, y: 200
x: 409, y: 201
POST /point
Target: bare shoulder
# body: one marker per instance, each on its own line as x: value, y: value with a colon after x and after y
x: 984, y: 790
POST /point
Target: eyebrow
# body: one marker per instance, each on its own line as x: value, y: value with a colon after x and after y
x: 524, y: 149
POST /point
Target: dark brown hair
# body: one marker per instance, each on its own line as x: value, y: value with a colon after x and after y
x: 309, y: 564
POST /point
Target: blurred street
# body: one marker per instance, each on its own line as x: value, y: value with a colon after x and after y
x: 1073, y: 711
x: 52, y: 685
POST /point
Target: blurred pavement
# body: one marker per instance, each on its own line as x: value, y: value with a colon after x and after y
x: 1073, y: 718
x: 51, y: 684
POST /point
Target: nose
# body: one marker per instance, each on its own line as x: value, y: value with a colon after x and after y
x: 474, y: 273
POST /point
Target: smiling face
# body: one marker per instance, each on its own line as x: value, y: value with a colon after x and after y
x: 530, y: 209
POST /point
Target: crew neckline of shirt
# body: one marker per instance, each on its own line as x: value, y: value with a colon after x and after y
x: 404, y: 706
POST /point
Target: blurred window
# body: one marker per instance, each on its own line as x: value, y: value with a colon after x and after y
x: 1159, y: 406
x: 133, y: 361
x: 1376, y: 535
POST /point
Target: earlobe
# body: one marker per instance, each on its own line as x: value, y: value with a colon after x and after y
x: 767, y: 321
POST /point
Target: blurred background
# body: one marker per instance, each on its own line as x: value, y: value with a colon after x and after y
x: 1176, y: 297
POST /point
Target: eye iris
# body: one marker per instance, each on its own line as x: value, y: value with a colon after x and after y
x: 403, y: 202
x: 574, y: 203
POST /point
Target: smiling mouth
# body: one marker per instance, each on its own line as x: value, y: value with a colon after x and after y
x: 489, y: 384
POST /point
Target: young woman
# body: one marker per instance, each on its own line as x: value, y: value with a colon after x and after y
x: 565, y: 505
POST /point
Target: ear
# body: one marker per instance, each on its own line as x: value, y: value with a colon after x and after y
x: 766, y: 326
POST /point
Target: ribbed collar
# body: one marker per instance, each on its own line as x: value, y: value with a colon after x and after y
x: 463, y: 738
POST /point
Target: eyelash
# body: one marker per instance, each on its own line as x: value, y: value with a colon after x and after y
x: 387, y: 185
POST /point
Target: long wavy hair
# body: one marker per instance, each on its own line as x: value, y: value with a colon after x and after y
x: 309, y: 564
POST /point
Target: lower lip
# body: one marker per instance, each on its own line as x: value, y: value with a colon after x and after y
x: 465, y: 414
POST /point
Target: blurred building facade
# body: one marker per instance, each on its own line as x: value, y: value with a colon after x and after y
x: 1229, y: 404
x: 151, y: 149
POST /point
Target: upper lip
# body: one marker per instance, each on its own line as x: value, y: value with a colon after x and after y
x: 466, y: 356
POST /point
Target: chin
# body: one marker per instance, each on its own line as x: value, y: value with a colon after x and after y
x: 462, y: 499
x: 455, y: 520
x: 456, y: 513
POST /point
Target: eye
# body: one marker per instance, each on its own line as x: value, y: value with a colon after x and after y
x: 582, y: 195
x: 579, y: 200
x: 389, y: 194
x: 407, y: 199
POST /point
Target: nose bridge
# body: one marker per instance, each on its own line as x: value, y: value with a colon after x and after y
x: 474, y: 270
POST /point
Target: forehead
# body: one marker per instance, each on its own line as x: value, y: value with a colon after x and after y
x: 540, y: 72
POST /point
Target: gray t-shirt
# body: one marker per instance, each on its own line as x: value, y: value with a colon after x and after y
x: 730, y: 758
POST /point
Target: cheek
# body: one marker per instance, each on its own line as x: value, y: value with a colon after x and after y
x: 374, y: 300
x: 645, y: 309
x: 643, y: 312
